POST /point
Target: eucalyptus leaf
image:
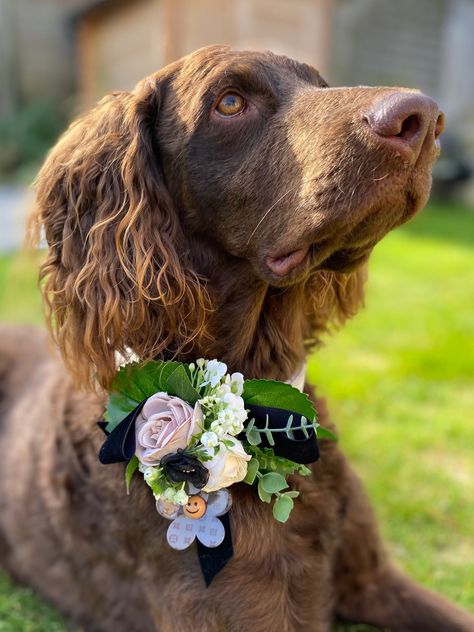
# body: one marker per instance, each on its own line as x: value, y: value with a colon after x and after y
x: 263, y: 495
x: 253, y: 436
x: 291, y: 494
x: 282, y: 508
x: 252, y: 469
x: 131, y: 468
x: 269, y: 436
x: 278, y: 395
x: 273, y: 482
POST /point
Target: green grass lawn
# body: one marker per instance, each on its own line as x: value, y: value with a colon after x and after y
x: 399, y: 379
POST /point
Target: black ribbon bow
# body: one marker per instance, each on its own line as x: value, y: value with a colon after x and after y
x: 300, y: 448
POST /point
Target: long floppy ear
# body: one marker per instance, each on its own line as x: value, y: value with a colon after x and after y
x: 116, y: 277
x: 334, y: 297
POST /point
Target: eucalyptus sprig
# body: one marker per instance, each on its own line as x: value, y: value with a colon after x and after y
x: 270, y: 472
x: 252, y: 432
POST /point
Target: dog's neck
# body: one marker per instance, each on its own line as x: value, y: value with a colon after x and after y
x: 255, y: 329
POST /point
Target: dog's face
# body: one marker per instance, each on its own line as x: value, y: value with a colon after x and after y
x: 266, y: 160
x: 224, y: 170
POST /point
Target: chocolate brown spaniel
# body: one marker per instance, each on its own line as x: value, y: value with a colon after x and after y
x: 225, y: 208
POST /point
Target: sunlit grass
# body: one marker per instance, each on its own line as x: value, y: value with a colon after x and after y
x: 399, y: 379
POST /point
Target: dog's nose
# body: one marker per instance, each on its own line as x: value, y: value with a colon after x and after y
x: 403, y: 121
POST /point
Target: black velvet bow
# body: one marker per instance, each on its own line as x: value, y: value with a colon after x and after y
x: 120, y: 446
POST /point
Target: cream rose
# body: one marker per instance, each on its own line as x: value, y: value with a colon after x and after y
x: 228, y: 466
x: 164, y: 425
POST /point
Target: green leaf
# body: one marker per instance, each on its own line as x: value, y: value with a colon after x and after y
x: 140, y: 380
x: 132, y: 466
x: 179, y: 383
x: 273, y: 482
x: 252, y: 469
x: 137, y: 381
x: 118, y: 408
x: 278, y: 395
x: 324, y: 433
x: 282, y: 508
x: 253, y: 436
x: 269, y: 461
x: 132, y: 384
x: 269, y: 436
x: 303, y: 470
x: 263, y: 495
x: 291, y: 494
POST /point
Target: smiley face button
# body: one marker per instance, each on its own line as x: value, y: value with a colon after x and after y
x: 195, y: 508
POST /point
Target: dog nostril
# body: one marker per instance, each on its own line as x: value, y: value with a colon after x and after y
x: 439, y: 127
x: 409, y: 127
x: 402, y: 122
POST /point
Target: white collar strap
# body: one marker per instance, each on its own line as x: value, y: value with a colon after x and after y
x: 297, y: 379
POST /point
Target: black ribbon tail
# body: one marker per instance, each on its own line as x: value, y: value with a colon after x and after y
x: 213, y: 560
x: 120, y: 443
x: 103, y: 426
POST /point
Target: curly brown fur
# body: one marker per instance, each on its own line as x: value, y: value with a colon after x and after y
x: 163, y: 221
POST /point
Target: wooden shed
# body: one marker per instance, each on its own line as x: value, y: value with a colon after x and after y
x: 120, y: 41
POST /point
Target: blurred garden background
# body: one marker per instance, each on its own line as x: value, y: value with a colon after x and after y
x: 399, y: 377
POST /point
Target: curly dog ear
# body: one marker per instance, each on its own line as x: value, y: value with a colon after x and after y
x: 116, y: 277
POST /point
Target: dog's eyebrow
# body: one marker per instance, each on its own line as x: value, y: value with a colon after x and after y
x: 245, y: 77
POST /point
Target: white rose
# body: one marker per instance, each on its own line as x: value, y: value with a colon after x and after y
x: 228, y: 466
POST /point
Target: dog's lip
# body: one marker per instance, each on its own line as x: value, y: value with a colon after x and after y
x: 345, y: 260
x: 282, y: 264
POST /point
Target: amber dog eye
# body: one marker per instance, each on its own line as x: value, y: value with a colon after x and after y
x: 230, y: 104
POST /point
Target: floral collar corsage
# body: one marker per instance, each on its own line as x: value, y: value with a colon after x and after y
x: 193, y: 430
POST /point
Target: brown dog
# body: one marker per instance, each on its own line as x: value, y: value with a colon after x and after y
x: 223, y: 209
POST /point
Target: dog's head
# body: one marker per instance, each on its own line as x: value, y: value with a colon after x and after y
x: 245, y: 157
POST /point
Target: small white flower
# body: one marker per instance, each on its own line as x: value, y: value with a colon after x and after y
x: 218, y: 428
x: 235, y: 402
x: 214, y: 372
x: 169, y: 494
x: 237, y: 383
x: 229, y: 400
x: 222, y: 390
x: 150, y: 473
x: 209, y: 439
x: 225, y: 416
x: 181, y: 497
x: 235, y: 428
x: 201, y: 362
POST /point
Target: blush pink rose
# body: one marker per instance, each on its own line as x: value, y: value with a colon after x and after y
x: 165, y: 424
